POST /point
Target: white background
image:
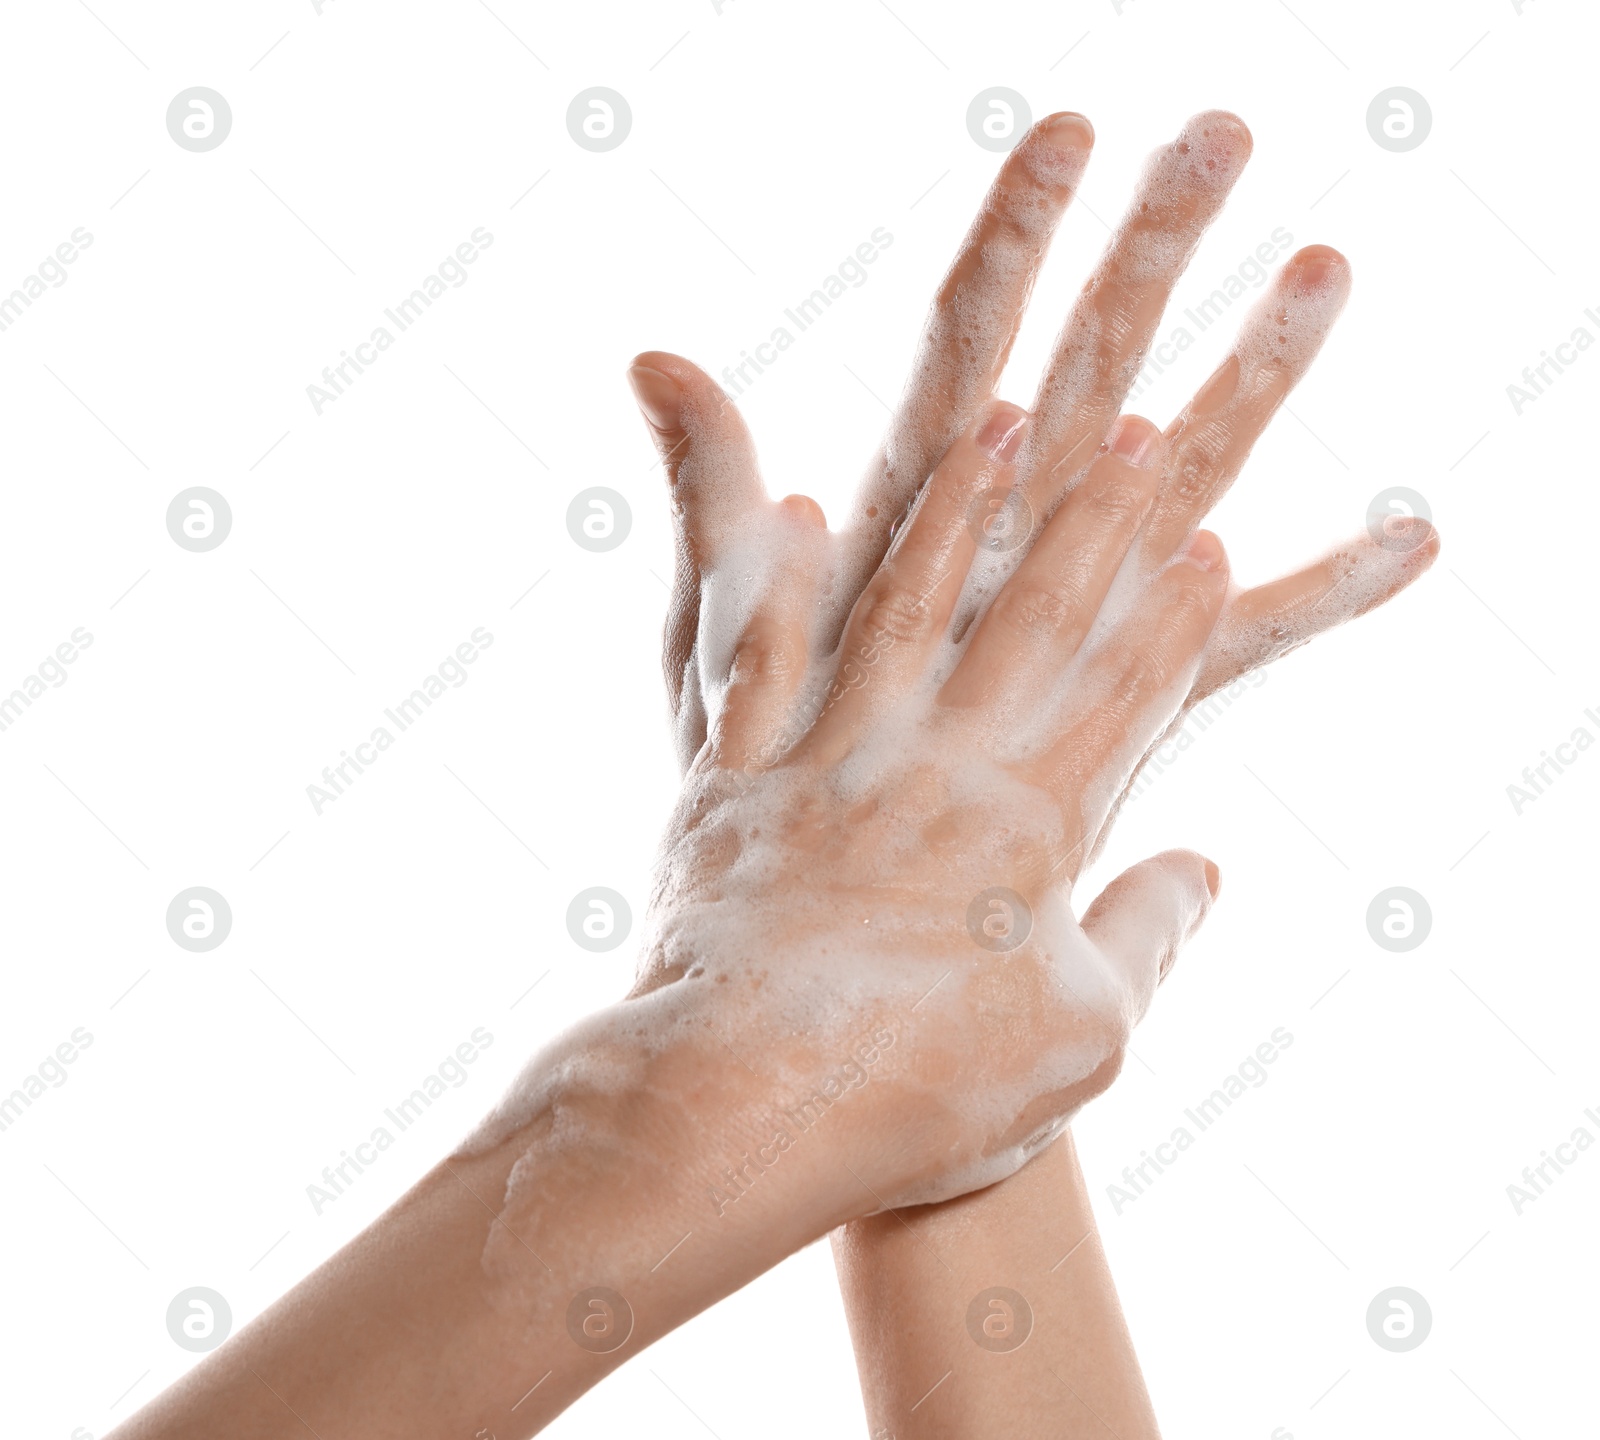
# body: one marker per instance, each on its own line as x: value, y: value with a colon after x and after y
x: 767, y: 142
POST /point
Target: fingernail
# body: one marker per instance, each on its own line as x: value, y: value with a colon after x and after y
x: 1205, y: 550
x: 1318, y: 262
x: 1069, y: 129
x: 659, y: 396
x: 1133, y: 439
x: 1213, y: 879
x: 1001, y: 436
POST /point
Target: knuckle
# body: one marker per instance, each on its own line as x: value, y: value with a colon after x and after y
x: 1143, y: 668
x: 1014, y: 224
x: 1115, y: 504
x: 1153, y: 672
x: 893, y: 615
x: 1197, y: 599
x: 1190, y: 481
x: 1029, y: 606
x: 766, y: 653
x: 1201, y: 460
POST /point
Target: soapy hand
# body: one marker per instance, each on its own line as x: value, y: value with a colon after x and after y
x: 880, y: 836
x: 1036, y: 618
x: 710, y: 461
x: 904, y: 742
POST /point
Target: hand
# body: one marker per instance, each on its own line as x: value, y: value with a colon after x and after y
x: 881, y: 839
x: 1082, y: 1366
x: 822, y: 956
x: 710, y: 463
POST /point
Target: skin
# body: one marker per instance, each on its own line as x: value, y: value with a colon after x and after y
x: 911, y: 1277
x: 919, y: 1266
x: 713, y: 477
x: 819, y: 1031
x: 865, y: 758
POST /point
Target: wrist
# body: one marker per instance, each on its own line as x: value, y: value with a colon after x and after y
x: 640, y: 1156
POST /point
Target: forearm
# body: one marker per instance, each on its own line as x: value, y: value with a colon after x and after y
x: 468, y: 1306
x: 940, y: 1355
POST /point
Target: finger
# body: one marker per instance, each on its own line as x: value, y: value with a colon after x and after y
x: 710, y: 460
x: 903, y: 614
x: 1145, y: 916
x: 1041, y: 616
x: 1214, y: 434
x: 713, y: 484
x: 972, y: 324
x: 1260, y: 624
x: 1104, y: 340
x: 1128, y: 689
x: 753, y: 722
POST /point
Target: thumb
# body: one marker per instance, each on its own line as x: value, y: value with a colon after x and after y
x: 713, y: 487
x: 705, y: 449
x: 1142, y: 918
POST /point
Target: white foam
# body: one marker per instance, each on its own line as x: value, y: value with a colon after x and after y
x: 1286, y: 327
x: 1363, y: 575
x: 797, y: 907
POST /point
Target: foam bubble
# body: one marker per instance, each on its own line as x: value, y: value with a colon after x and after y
x: 1286, y: 327
x: 1362, y: 574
